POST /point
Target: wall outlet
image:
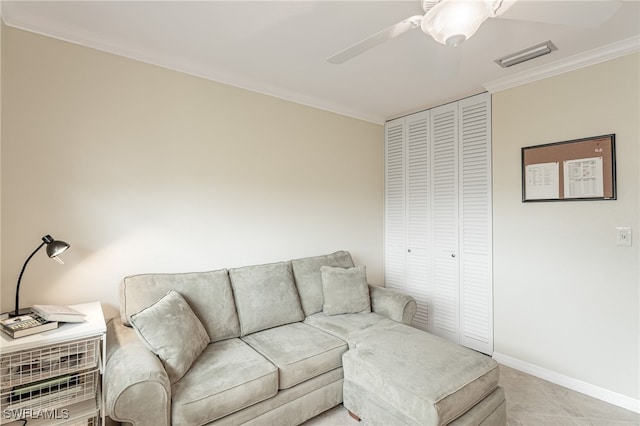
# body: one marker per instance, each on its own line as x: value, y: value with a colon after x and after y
x: 623, y: 236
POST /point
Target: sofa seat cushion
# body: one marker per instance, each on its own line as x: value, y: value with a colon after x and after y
x: 344, y: 326
x: 429, y: 379
x: 228, y: 376
x: 266, y: 296
x: 309, y: 279
x: 300, y: 351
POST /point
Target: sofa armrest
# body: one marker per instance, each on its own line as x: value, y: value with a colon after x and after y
x: 392, y: 304
x: 137, y: 388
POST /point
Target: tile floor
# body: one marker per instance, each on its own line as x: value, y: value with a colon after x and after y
x: 530, y: 402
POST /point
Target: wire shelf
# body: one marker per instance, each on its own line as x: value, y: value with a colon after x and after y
x: 48, y: 361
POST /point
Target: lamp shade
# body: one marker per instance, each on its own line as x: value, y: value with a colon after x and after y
x: 55, y: 247
x: 451, y: 22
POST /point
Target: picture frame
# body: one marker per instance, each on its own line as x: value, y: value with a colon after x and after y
x: 575, y: 170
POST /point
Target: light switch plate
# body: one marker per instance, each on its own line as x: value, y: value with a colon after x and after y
x: 623, y: 236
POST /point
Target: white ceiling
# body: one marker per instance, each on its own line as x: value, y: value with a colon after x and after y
x: 280, y: 47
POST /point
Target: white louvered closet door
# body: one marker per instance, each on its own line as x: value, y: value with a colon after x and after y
x: 438, y: 218
x: 444, y: 315
x: 418, y: 207
x: 394, y: 185
x: 476, y: 278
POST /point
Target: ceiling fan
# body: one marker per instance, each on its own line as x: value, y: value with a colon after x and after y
x: 451, y: 22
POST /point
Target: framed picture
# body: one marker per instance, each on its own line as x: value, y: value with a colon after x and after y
x: 580, y: 169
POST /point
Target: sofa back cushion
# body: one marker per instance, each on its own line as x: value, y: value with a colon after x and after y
x: 208, y: 294
x: 266, y: 296
x: 309, y: 278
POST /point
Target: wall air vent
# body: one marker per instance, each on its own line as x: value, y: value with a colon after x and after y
x: 526, y: 54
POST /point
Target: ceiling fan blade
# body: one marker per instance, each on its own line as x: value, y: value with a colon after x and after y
x: 376, y: 39
x: 576, y: 13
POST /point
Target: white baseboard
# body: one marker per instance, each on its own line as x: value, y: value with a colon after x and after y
x: 594, y: 391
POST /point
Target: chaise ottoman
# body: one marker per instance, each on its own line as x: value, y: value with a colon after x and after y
x: 399, y: 375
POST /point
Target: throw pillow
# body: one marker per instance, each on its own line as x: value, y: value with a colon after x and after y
x: 306, y: 272
x: 171, y: 330
x: 345, y: 290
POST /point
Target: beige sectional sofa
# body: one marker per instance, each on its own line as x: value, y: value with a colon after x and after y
x: 278, y: 344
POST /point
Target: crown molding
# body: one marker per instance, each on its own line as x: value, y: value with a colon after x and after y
x: 572, y: 63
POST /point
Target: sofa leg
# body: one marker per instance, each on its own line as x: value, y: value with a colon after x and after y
x: 354, y: 416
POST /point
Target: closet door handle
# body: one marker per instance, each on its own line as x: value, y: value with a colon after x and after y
x: 453, y: 255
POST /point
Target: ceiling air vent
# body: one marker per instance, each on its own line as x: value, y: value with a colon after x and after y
x: 526, y: 54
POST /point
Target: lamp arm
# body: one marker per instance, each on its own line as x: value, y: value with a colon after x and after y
x: 20, y: 277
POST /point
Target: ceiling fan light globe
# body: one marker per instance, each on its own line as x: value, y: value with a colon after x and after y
x: 455, y: 40
x: 456, y: 20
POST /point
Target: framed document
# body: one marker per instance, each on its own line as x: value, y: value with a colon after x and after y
x: 580, y: 169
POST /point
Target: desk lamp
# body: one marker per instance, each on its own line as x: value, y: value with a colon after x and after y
x: 54, y: 248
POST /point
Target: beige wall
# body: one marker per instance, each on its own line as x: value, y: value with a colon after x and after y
x: 566, y: 297
x: 142, y: 169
